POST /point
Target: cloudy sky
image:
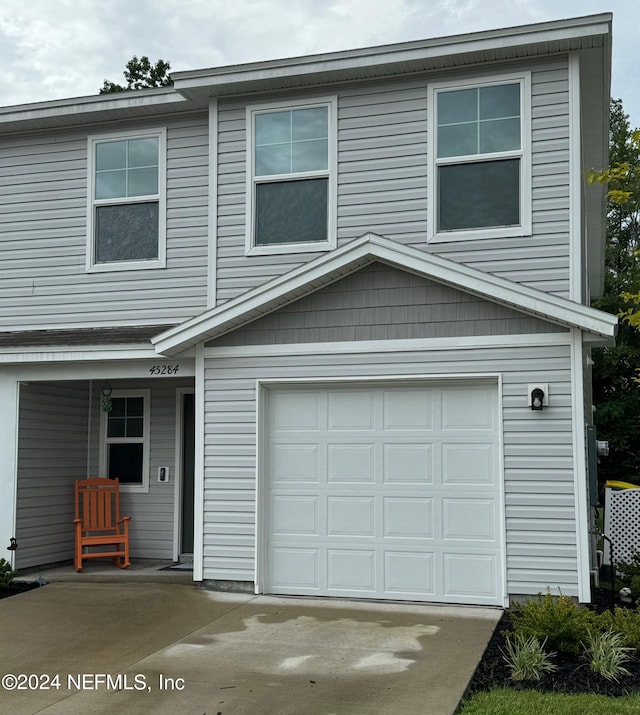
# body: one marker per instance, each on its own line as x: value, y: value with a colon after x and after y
x: 67, y: 48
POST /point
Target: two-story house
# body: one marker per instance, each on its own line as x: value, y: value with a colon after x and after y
x: 327, y: 318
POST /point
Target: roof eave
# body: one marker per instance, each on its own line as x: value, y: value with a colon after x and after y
x: 86, y: 110
x: 421, y: 55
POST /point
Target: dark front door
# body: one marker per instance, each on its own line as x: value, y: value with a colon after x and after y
x: 188, y: 455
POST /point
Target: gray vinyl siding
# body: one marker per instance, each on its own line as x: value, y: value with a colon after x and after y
x: 43, y: 234
x: 539, y: 500
x: 52, y: 454
x: 383, y: 303
x: 382, y: 182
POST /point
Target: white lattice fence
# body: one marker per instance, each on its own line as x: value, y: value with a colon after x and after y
x: 622, y: 523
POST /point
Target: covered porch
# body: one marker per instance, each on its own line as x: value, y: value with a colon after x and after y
x: 106, y: 411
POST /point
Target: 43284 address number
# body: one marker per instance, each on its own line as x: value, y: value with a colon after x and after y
x: 164, y: 369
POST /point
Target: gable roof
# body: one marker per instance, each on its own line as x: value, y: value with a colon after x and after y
x: 355, y: 255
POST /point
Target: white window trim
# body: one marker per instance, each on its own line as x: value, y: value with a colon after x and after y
x: 330, y: 173
x: 146, y: 440
x: 160, y: 262
x: 524, y: 229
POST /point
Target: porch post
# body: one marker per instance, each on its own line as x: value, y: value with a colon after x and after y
x: 8, y: 461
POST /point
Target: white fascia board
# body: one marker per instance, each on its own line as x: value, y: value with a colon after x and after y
x: 12, y: 356
x: 79, y: 106
x: 493, y: 41
x: 408, y: 345
x: 366, y: 249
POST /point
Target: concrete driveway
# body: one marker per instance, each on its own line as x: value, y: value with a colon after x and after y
x: 171, y: 648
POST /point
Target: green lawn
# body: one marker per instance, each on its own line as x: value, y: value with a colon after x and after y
x: 530, y: 702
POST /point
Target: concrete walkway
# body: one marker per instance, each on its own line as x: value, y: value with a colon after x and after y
x: 157, y: 647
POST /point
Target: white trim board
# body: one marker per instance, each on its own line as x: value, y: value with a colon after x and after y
x: 410, y: 345
x: 97, y: 371
x: 198, y: 468
x: 577, y: 252
x: 68, y: 354
x: 359, y: 253
x: 580, y: 488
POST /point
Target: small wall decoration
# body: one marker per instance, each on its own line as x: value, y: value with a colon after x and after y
x: 106, y: 397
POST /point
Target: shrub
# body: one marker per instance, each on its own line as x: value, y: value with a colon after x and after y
x: 624, y: 621
x: 7, y: 574
x: 629, y: 573
x: 606, y: 654
x: 557, y: 620
x: 526, y: 658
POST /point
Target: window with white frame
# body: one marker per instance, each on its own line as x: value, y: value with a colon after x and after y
x: 480, y: 182
x: 126, y: 208
x: 125, y: 440
x: 291, y: 203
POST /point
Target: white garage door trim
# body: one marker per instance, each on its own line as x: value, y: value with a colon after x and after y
x: 450, y: 558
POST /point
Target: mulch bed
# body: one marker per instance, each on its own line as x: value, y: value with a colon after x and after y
x: 17, y: 587
x: 573, y: 674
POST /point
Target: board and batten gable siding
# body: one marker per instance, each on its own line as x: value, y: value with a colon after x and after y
x: 382, y: 181
x: 380, y: 302
x: 152, y: 512
x: 43, y: 233
x: 538, y: 455
x: 52, y: 454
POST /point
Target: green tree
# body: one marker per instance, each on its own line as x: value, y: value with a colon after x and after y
x: 140, y: 74
x: 616, y: 392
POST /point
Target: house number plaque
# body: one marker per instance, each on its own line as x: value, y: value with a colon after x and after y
x: 164, y: 370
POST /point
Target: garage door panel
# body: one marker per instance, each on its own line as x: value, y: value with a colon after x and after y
x: 351, y: 462
x: 403, y: 410
x: 406, y: 463
x: 394, y: 493
x: 410, y: 517
x: 464, y: 463
x: 351, y: 570
x: 470, y: 576
x: 468, y: 409
x: 295, y: 515
x: 294, y: 411
x: 350, y: 410
x: 468, y: 519
x: 294, y: 569
x: 410, y: 573
x: 351, y: 516
x: 294, y: 462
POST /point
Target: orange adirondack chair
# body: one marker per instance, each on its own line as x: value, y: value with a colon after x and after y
x: 98, y: 522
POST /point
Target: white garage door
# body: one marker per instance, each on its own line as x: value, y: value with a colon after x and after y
x: 385, y: 491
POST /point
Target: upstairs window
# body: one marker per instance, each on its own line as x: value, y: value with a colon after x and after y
x: 291, y: 202
x: 126, y: 223
x: 480, y: 185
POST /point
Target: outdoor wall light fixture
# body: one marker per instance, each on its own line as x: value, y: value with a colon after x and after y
x: 106, y: 397
x: 538, y: 396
